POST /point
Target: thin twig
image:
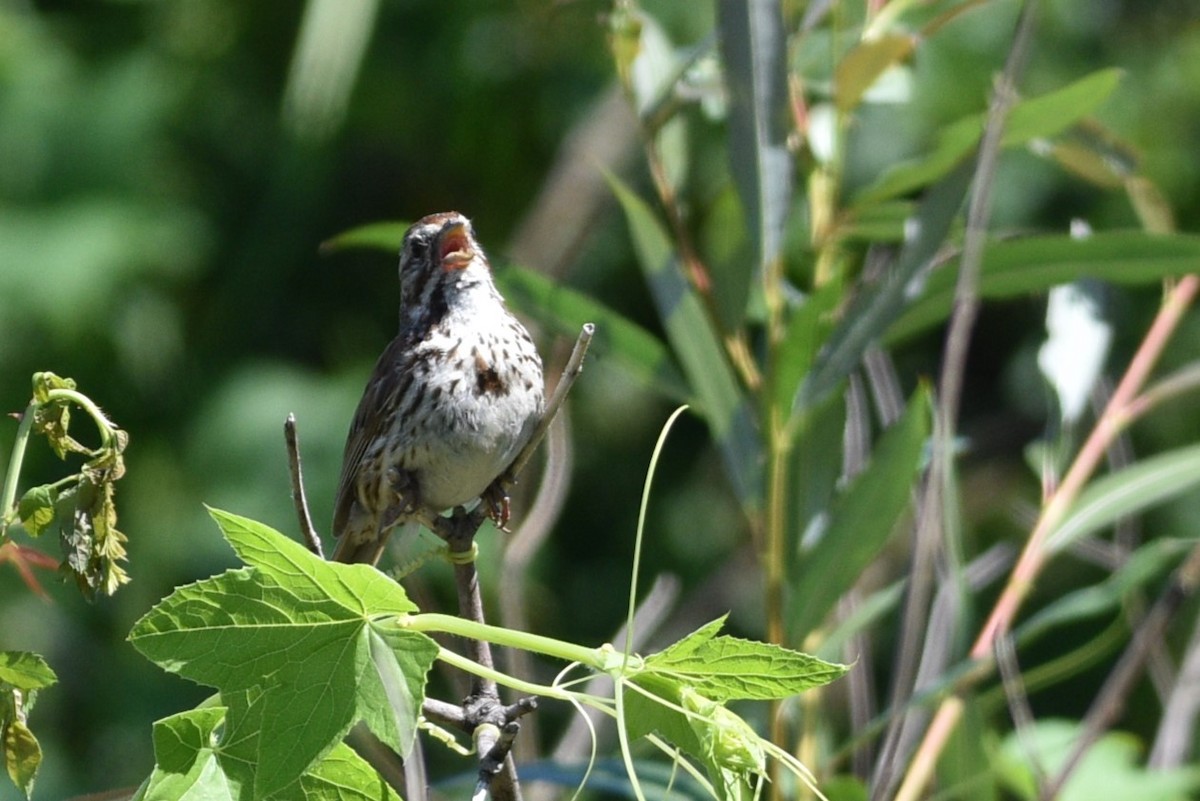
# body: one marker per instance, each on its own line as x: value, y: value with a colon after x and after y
x: 1175, y: 740
x: 1018, y: 703
x: 571, y: 372
x: 1111, y: 700
x: 958, y: 339
x: 482, y: 709
x: 298, y: 497
x: 519, y: 550
x: 1035, y: 552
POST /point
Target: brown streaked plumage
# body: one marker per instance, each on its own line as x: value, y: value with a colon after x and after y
x: 451, y: 400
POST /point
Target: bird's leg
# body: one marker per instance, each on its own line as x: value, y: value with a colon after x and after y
x: 496, y: 500
x: 404, y: 484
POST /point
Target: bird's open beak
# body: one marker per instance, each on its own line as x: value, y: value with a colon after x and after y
x: 455, y: 246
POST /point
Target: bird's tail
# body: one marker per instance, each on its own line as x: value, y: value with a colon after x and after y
x: 353, y: 549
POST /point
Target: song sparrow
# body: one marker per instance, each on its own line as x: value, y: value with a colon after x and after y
x: 451, y: 401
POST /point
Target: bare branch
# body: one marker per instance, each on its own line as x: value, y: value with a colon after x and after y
x: 298, y: 497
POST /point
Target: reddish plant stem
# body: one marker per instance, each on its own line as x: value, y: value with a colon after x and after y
x: 1035, y: 554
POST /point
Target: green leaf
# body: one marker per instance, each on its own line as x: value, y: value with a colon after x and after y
x: 862, y: 520
x: 345, y: 776
x: 1054, y: 112
x: 731, y: 749
x: 650, y: 710
x: 363, y: 591
x: 723, y: 668
x: 753, y: 43
x: 23, y: 670
x: 1018, y: 267
x: 1034, y: 118
x: 815, y: 469
x: 187, y: 766
x: 564, y: 310
x: 294, y: 645
x: 36, y: 509
x: 386, y: 236
x: 806, y: 329
x: 1143, y: 566
x: 192, y: 767
x: 44, y: 382
x: 1111, y: 768
x: 878, y: 306
x: 863, y: 65
x: 698, y: 347
x: 22, y: 755
x: 1146, y: 483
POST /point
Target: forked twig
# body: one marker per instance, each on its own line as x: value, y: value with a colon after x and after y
x: 496, y: 726
x: 493, y: 724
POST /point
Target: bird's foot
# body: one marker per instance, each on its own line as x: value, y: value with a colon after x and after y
x: 496, y: 500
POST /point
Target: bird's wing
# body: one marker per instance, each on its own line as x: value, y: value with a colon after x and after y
x: 371, y: 420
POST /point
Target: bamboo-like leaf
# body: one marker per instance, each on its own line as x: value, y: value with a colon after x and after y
x: 565, y: 310
x: 385, y: 235
x: 557, y: 307
x: 754, y: 49
x: 862, y: 520
x: 805, y: 330
x: 698, y: 348
x: 1146, y: 564
x: 1126, y: 492
x: 863, y: 65
x: 878, y: 307
x: 1038, y: 117
x: 1017, y: 267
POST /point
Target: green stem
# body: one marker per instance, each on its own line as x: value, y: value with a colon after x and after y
x: 9, y: 497
x: 595, y: 658
x: 104, y: 425
x: 544, y: 690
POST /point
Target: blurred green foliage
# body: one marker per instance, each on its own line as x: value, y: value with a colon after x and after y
x: 165, y: 185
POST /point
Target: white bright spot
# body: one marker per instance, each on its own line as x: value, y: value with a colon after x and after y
x: 822, y: 132
x: 1074, y: 352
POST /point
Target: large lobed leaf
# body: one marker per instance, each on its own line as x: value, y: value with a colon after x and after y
x: 299, y: 648
x: 189, y: 768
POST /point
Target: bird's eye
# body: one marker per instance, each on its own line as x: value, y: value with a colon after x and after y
x: 417, y: 248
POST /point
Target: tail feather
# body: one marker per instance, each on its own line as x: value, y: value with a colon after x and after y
x: 355, y: 548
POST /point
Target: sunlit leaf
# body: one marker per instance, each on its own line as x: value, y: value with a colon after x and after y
x: 36, y: 509
x: 690, y: 331
x: 191, y: 766
x: 1018, y: 267
x: 863, y: 65
x: 724, y: 668
x: 288, y: 642
x: 862, y: 520
x: 1038, y: 117
x: 1129, y: 491
x: 753, y: 44
x: 22, y: 755
x: 564, y: 310
x: 25, y: 671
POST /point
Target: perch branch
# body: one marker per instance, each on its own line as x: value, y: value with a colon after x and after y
x: 495, y: 726
x: 298, y: 497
